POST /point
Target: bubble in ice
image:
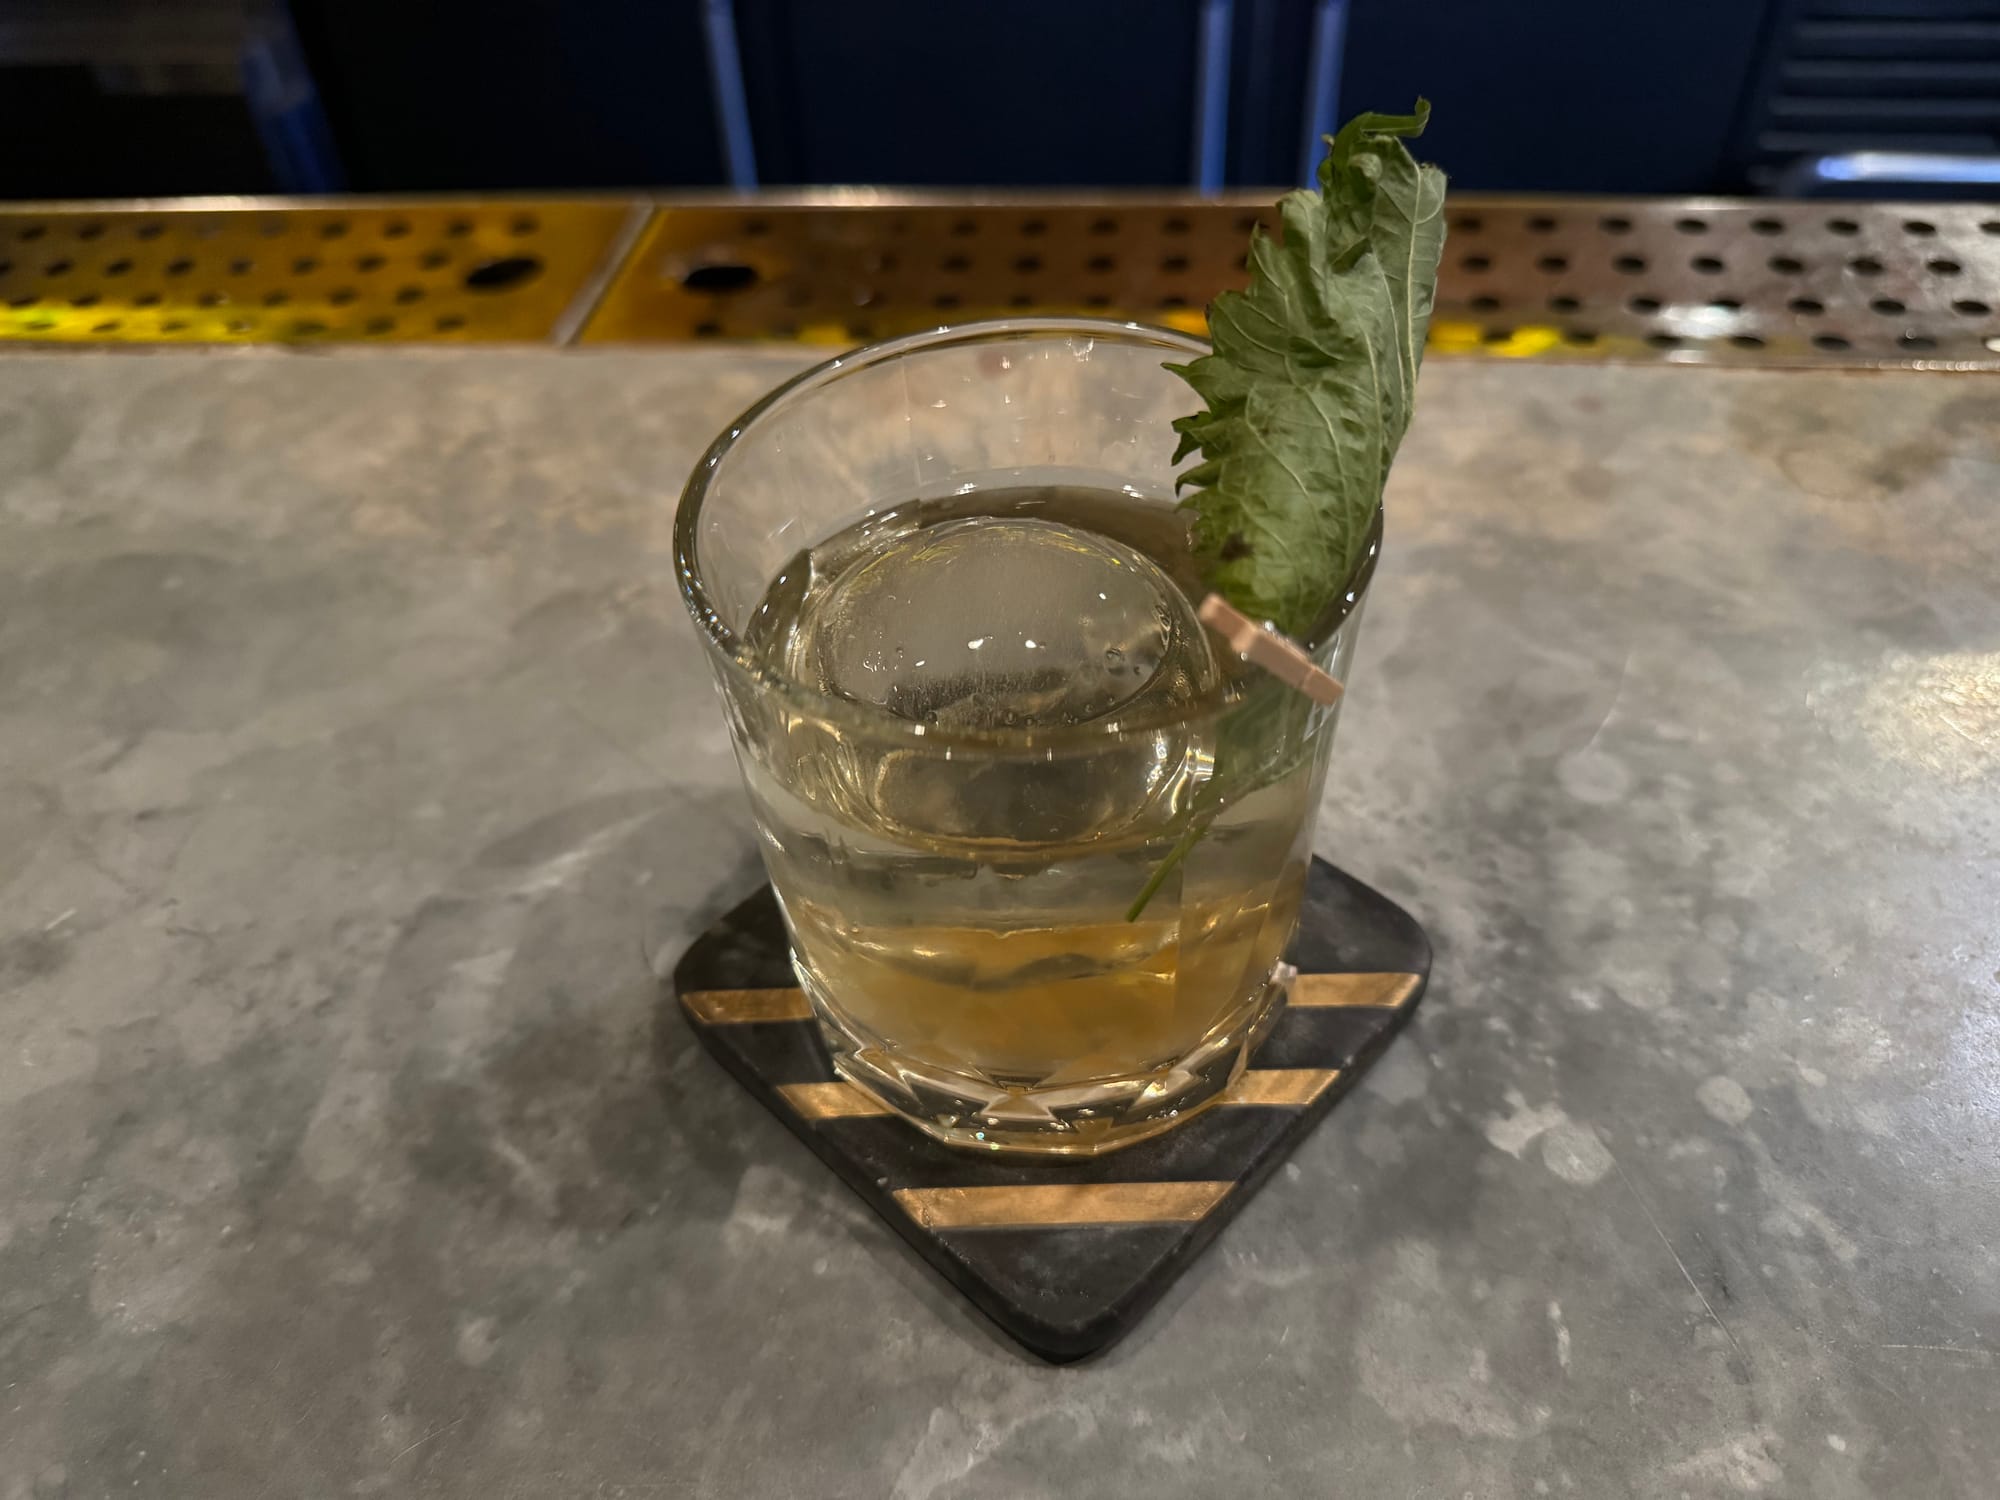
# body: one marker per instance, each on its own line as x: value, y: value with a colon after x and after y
x: 1003, y: 622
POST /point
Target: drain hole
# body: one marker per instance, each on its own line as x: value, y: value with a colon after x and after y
x: 1174, y: 263
x: 1582, y: 337
x: 1103, y: 226
x: 1175, y: 226
x: 1102, y: 263
x: 1767, y: 226
x: 513, y: 271
x: 1027, y: 264
x: 333, y: 231
x: 1943, y: 267
x: 458, y: 229
x: 720, y: 276
x: 409, y: 294
x: 1485, y: 304
x: 57, y: 267
x: 1919, y: 227
x: 305, y: 265
x: 1644, y: 304
x: 1033, y: 227
x: 1663, y: 340
x: 239, y: 267
x: 1831, y: 342
x: 1918, y: 341
x: 1691, y: 226
x: 1564, y: 304
x: 1971, y: 309
x: 1615, y: 224
x: 1726, y: 304
x: 276, y: 299
x: 1552, y: 264
x: 1541, y: 224
x: 1631, y: 265
x: 1708, y: 265
x: 395, y: 229
x: 1888, y: 307
x: 118, y: 268
x: 1786, y: 265
x: 1865, y: 265
x: 379, y: 325
x: 954, y: 263
x: 1468, y: 224
x: 1807, y: 305
x: 451, y: 323
x: 368, y: 263
x: 435, y: 258
x: 528, y: 224
x: 1475, y: 263
x: 1747, y: 341
x: 1843, y: 226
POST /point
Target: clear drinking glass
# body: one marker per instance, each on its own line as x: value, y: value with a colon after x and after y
x: 1039, y: 840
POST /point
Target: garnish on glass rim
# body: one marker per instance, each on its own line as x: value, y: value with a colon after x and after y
x: 1308, y: 393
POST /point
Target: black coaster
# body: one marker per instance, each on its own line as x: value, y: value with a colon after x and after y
x: 1067, y: 1256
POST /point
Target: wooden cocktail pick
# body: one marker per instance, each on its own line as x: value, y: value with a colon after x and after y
x: 1261, y: 646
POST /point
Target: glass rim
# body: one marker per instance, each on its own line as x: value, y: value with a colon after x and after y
x: 879, y: 722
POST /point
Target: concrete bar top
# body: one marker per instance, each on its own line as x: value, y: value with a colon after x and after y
x: 359, y: 773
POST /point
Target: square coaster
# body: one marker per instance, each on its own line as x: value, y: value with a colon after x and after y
x: 1067, y: 1255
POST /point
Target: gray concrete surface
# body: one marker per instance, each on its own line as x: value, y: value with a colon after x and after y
x: 356, y: 761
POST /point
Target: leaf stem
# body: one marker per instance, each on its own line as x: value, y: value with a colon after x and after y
x: 1183, y: 846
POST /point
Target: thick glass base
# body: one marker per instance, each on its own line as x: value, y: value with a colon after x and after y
x: 1065, y: 1117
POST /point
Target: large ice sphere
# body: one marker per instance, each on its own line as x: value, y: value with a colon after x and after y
x: 1003, y: 622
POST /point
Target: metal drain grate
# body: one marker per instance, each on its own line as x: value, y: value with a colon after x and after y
x: 1754, y: 283
x: 838, y: 274
x: 249, y: 273
x: 1732, y: 282
x: 1696, y: 281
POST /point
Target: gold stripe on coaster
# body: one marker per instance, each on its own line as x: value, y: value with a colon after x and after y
x: 721, y: 1007
x: 830, y: 1101
x: 1387, y: 990
x: 1062, y: 1205
x: 1281, y: 1086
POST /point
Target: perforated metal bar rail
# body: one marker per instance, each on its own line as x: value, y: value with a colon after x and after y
x: 1691, y: 281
